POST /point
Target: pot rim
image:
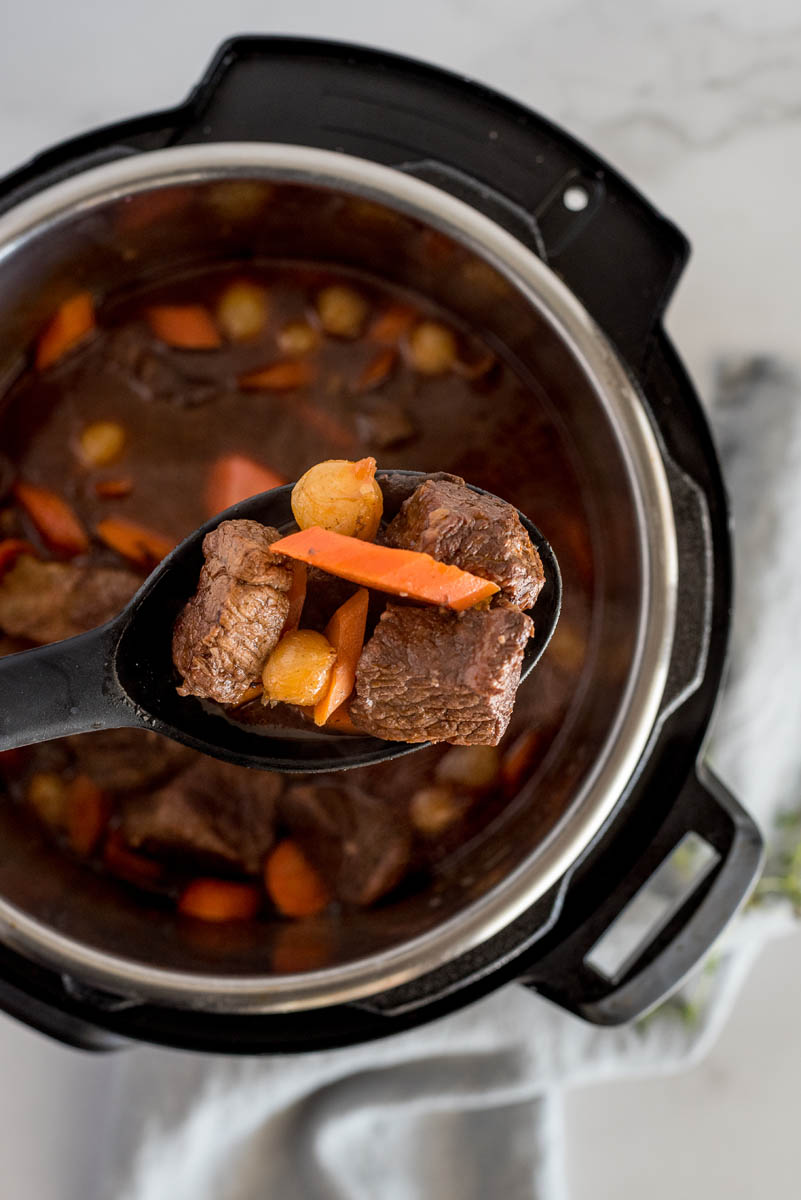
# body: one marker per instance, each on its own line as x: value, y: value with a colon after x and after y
x: 632, y: 726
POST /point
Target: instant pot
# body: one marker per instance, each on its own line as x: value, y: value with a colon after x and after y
x: 558, y: 260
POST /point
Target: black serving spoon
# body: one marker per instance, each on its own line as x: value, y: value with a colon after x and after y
x: 122, y: 676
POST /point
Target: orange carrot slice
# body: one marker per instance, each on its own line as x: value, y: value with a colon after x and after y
x: 477, y: 367
x: 88, y: 813
x: 220, y: 900
x: 185, y: 326
x: 128, y: 865
x: 54, y: 519
x: 252, y: 693
x: 377, y: 371
x: 113, y: 489
x: 297, y: 597
x: 340, y: 720
x: 74, y: 320
x: 390, y: 325
x: 140, y: 545
x: 345, y: 632
x: 294, y: 886
x: 10, y: 551
x: 282, y: 376
x: 401, y: 572
x: 518, y: 759
x: 235, y: 477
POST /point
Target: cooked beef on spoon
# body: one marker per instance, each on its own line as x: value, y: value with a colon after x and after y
x: 440, y: 662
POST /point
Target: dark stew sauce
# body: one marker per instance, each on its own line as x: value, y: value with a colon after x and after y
x: 364, y: 370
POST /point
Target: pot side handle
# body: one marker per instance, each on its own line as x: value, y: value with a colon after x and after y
x: 695, y: 591
x: 660, y: 964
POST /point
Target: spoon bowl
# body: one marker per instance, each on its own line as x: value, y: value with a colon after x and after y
x: 122, y: 675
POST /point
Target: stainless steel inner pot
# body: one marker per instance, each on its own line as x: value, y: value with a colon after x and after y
x: 113, y: 228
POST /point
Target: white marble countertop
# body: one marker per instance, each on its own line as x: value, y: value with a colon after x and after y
x: 698, y: 102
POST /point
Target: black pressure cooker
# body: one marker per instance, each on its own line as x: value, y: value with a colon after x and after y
x: 570, y: 269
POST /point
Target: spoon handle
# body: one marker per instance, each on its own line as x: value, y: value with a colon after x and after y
x: 67, y: 687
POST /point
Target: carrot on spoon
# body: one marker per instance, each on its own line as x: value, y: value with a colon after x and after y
x: 74, y: 320
x: 345, y: 632
x: 55, y: 520
x: 406, y: 573
x: 297, y: 597
x: 251, y: 694
x: 341, y: 721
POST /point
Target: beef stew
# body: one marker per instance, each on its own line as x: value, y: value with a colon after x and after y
x: 444, y: 674
x: 204, y: 422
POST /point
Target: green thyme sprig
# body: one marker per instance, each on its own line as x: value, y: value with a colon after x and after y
x: 781, y: 879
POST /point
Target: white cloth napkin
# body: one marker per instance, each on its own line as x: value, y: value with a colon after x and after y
x: 468, y: 1107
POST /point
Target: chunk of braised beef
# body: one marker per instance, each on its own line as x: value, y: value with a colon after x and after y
x: 324, y: 595
x: 48, y: 601
x: 271, y: 716
x: 213, y: 815
x: 431, y: 675
x: 224, y: 635
x: 479, y: 533
x: 155, y: 371
x: 396, y: 487
x: 358, y: 842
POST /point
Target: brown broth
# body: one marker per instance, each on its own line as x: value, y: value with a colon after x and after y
x: 498, y: 431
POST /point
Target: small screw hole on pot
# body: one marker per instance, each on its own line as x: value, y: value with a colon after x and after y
x: 575, y: 198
